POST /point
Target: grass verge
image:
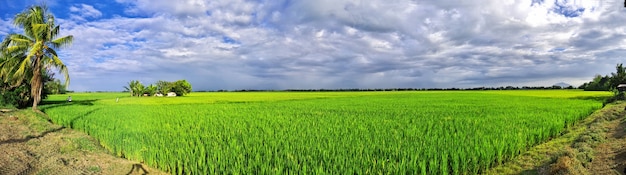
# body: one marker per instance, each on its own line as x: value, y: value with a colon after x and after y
x: 570, y: 153
x: 29, y: 144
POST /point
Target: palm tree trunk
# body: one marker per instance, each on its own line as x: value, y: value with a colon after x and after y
x: 35, y: 83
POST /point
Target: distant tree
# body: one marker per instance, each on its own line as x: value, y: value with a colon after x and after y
x: 150, y: 90
x: 606, y: 83
x: 583, y: 86
x: 54, y: 86
x: 135, y: 88
x: 164, y: 87
x: 139, y: 90
x: 181, y: 87
x: 599, y: 83
x: 619, y: 77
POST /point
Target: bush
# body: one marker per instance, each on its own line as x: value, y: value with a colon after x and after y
x: 617, y: 97
x: 181, y: 87
x: 17, y: 98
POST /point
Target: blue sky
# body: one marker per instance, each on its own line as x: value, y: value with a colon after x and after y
x: 311, y: 44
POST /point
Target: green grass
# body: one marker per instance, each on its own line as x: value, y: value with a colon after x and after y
x: 431, y: 132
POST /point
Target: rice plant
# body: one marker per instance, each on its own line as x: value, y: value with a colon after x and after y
x: 323, y: 133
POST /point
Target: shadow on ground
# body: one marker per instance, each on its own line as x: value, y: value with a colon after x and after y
x: 31, y: 137
x: 59, y: 103
x: 600, y: 99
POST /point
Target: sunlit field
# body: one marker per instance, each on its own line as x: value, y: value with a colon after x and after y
x: 416, y: 132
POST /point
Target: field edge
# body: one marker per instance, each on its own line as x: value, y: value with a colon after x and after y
x: 573, y: 151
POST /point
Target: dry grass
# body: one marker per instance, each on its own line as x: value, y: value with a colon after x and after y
x: 31, y: 145
x: 574, y: 151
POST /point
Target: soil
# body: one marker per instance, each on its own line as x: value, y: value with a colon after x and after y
x: 31, y: 145
x: 610, y: 156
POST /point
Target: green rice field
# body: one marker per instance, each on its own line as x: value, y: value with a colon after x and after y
x: 409, y: 132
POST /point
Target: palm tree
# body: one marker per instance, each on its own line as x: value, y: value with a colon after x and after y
x: 135, y: 88
x: 33, y: 52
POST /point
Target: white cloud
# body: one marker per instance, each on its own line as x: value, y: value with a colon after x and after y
x: 343, y: 44
x: 82, y: 11
x: 6, y: 27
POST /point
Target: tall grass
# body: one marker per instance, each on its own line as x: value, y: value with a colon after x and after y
x: 330, y: 133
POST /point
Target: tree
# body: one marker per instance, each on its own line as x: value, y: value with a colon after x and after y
x: 135, y: 88
x: 618, y: 77
x: 181, y: 87
x: 164, y: 87
x: 599, y: 83
x: 54, y: 86
x: 150, y: 90
x: 30, y: 53
x: 607, y: 83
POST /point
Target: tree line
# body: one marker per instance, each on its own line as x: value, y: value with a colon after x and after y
x: 28, y: 59
x: 607, y: 82
x: 137, y: 89
x: 402, y: 89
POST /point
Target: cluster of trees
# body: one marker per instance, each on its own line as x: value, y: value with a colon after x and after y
x: 27, y: 59
x: 180, y: 87
x: 607, y: 82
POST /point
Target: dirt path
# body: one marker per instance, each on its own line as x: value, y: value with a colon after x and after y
x: 610, y: 156
x: 31, y: 145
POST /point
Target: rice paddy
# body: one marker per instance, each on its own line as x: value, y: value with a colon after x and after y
x: 423, y: 132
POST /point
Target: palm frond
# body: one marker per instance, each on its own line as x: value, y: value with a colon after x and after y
x: 23, y: 66
x: 53, y: 56
x: 54, y: 31
x: 63, y: 41
x: 35, y: 49
x: 20, y: 39
x: 53, y: 60
x: 41, y: 30
x: 66, y: 75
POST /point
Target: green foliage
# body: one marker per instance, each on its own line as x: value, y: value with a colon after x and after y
x: 27, y: 55
x: 326, y: 133
x: 150, y: 90
x: 619, y: 77
x: 599, y: 83
x: 181, y: 87
x: 606, y: 83
x: 135, y: 88
x: 54, y: 87
x: 18, y: 97
x: 164, y: 87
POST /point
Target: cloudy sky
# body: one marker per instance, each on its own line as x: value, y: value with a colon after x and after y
x: 310, y: 44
